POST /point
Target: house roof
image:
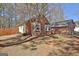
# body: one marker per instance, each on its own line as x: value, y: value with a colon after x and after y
x: 39, y: 18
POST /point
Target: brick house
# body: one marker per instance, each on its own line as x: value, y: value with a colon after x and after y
x: 37, y: 26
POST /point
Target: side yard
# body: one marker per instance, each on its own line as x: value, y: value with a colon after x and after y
x: 46, y: 45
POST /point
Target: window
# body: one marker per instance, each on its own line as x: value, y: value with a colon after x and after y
x: 47, y: 27
x: 36, y: 26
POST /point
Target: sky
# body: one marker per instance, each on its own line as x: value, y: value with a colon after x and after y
x: 71, y: 11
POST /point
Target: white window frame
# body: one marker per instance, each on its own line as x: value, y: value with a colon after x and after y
x: 47, y: 27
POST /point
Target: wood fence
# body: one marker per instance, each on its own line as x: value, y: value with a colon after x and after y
x: 8, y: 31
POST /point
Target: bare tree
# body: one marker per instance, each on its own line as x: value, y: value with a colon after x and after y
x: 17, y: 13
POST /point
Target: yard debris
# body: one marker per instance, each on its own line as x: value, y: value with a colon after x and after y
x: 33, y: 48
x: 65, y: 47
x: 61, y: 46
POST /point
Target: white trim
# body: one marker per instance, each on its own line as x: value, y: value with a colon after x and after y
x: 76, y: 29
x: 47, y: 27
x: 21, y: 29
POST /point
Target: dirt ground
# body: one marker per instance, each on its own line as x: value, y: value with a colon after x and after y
x: 8, y: 36
x: 53, y: 45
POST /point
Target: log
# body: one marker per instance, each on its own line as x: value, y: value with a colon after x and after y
x: 18, y: 42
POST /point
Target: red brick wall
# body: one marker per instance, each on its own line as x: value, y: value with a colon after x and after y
x: 8, y: 31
